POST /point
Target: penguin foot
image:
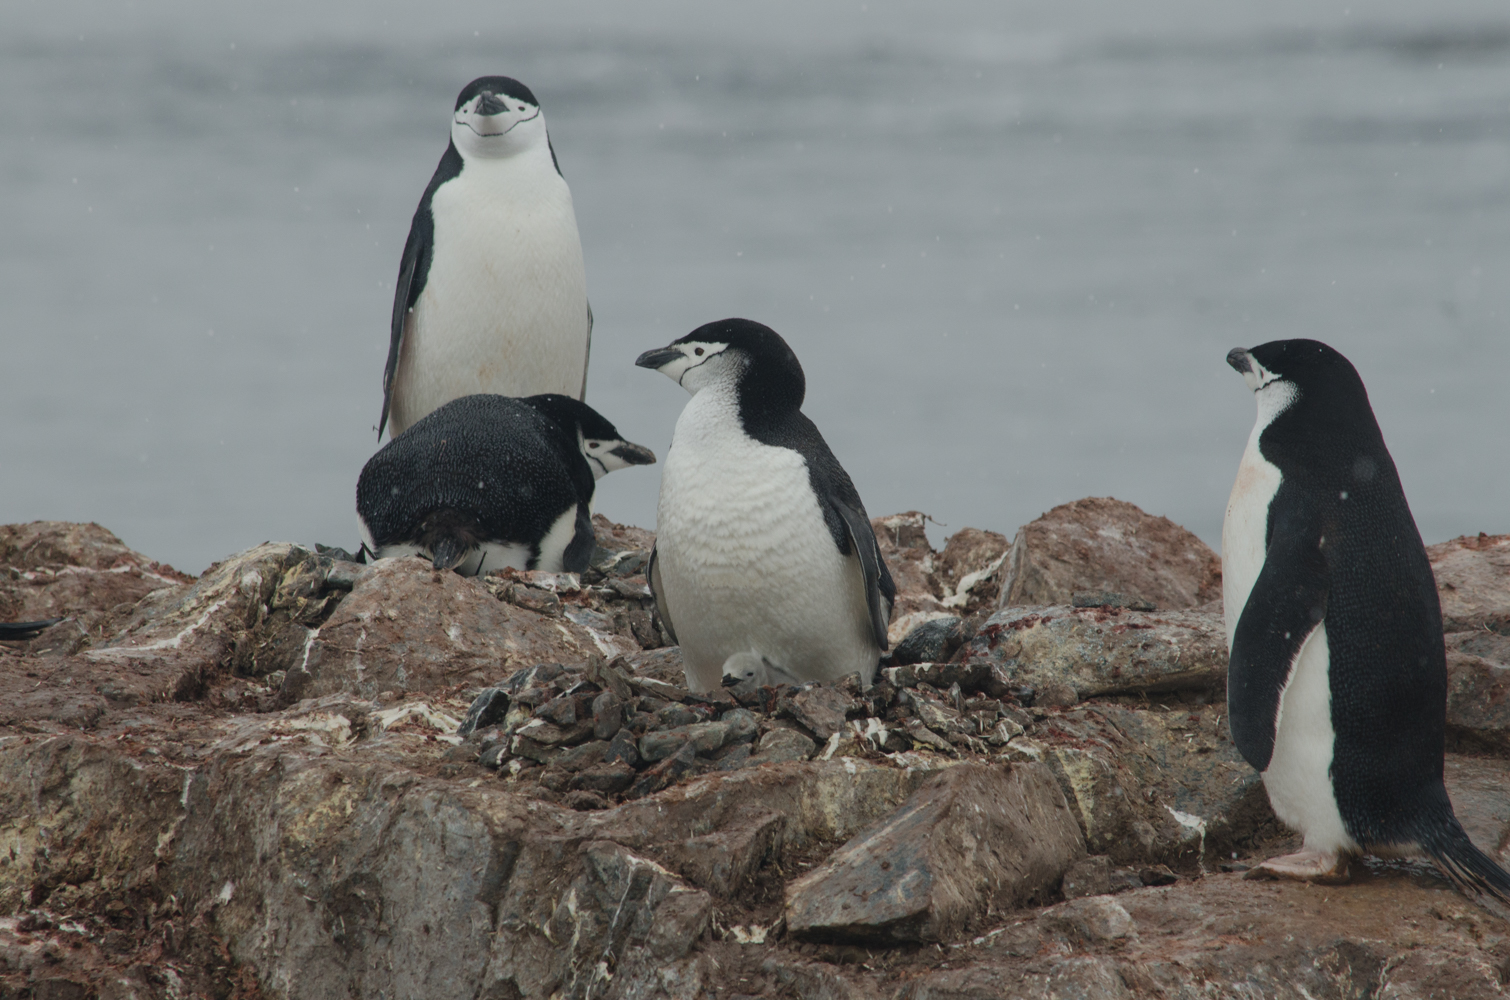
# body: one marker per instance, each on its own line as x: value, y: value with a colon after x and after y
x: 1323, y: 867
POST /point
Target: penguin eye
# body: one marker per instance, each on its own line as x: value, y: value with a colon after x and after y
x: 698, y: 352
x: 592, y: 444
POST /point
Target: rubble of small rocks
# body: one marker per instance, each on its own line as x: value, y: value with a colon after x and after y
x: 302, y: 777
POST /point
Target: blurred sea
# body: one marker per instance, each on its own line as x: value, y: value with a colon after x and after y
x: 1011, y: 242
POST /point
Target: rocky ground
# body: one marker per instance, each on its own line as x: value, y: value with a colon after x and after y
x: 302, y: 777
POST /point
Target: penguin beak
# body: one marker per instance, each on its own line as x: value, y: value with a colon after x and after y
x: 658, y: 358
x: 489, y: 104
x: 1240, y: 360
x: 633, y: 454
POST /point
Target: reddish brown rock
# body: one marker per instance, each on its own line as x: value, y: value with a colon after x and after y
x: 1478, y: 687
x: 406, y: 626
x: 1104, y: 545
x: 971, y: 568
x: 910, y: 558
x: 55, y: 569
x: 1473, y: 580
x: 973, y: 840
x: 1098, y: 651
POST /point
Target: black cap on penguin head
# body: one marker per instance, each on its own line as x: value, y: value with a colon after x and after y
x: 772, y: 383
x: 1305, y: 361
x: 572, y: 415
x: 504, y: 85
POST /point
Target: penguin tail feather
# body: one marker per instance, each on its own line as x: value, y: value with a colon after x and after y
x: 1475, y: 874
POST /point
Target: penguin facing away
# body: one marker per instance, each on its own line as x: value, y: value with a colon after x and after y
x: 764, y: 564
x: 492, y: 293
x: 1337, y: 682
x: 491, y: 481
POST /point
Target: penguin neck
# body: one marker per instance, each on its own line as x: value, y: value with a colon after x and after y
x: 767, y: 401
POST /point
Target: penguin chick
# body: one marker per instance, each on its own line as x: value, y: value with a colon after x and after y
x: 1337, y: 681
x: 492, y: 293
x: 490, y: 481
x: 764, y: 554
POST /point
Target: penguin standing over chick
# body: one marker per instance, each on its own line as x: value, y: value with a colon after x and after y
x: 492, y: 293
x: 764, y: 563
x: 1337, y: 683
x: 490, y: 481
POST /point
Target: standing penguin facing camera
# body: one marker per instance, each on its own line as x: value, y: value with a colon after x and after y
x: 765, y: 565
x: 492, y: 293
x: 1337, y: 684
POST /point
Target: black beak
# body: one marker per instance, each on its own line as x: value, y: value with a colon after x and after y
x: 490, y: 104
x: 1238, y: 359
x: 633, y: 454
x: 658, y: 357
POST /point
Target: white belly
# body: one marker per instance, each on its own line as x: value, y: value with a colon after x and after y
x: 746, y: 562
x: 504, y: 308
x: 1299, y: 779
x: 1244, y: 529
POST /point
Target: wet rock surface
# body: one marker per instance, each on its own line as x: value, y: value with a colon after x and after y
x: 302, y: 777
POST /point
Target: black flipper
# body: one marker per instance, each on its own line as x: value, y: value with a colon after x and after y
x: 1288, y: 602
x: 587, y: 354
x: 413, y: 272
x: 396, y: 330
x: 863, y: 540
x: 578, y: 553
x: 12, y: 631
x: 653, y: 577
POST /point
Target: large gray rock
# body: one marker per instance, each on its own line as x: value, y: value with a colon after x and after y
x: 1101, y: 544
x: 1152, y: 786
x: 1100, y: 651
x: 974, y: 840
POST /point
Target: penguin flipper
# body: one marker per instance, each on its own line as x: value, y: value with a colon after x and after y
x: 653, y: 576
x: 586, y: 353
x: 578, y: 552
x: 13, y: 631
x: 396, y: 328
x: 880, y: 591
x: 1288, y: 602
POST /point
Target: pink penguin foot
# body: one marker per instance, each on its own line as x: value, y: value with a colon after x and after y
x: 1324, y: 867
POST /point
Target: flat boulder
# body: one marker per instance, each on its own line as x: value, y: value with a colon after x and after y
x: 406, y: 626
x: 1100, y: 544
x: 975, y: 839
x: 1103, y: 650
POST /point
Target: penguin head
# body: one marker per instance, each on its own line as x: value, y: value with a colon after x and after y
x: 737, y: 351
x: 1285, y: 374
x: 600, y: 442
x: 497, y: 116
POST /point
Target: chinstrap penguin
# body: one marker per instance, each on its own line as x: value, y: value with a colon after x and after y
x: 492, y: 293
x: 1337, y: 683
x: 490, y: 481
x: 764, y: 564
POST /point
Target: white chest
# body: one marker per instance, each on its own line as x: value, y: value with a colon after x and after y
x: 1246, y: 525
x: 747, y: 563
x: 504, y: 305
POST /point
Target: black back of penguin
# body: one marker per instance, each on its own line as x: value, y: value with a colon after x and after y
x: 1342, y: 546
x: 492, y: 468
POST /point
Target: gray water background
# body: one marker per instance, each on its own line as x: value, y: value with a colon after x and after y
x: 1010, y: 242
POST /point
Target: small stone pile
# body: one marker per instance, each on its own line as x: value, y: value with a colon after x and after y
x: 593, y: 736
